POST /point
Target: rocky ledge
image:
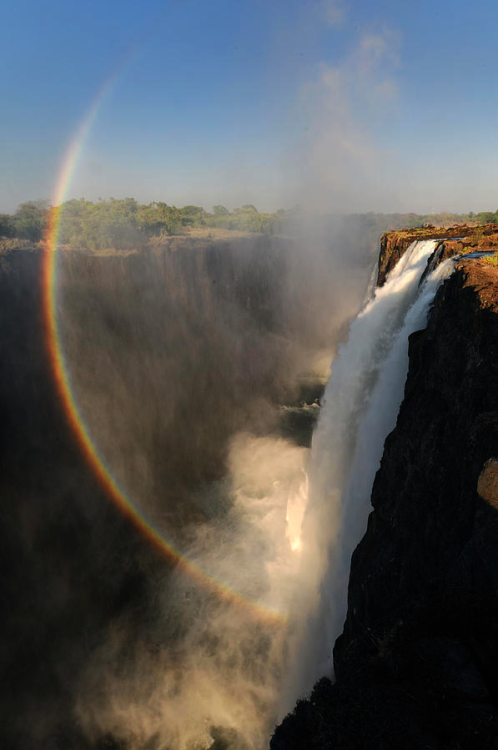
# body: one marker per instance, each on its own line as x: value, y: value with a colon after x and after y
x: 454, y: 240
x: 417, y: 663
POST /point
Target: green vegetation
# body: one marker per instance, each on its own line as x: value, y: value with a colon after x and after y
x: 477, y: 235
x: 28, y: 222
x: 447, y: 219
x: 126, y: 224
x: 491, y: 260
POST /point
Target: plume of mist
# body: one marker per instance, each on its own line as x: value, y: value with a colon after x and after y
x: 180, y: 360
x: 220, y: 674
x: 182, y: 363
x: 334, y: 12
x: 179, y: 365
x: 341, y: 161
x: 177, y: 352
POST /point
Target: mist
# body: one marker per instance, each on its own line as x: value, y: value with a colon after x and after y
x: 218, y: 674
x: 188, y: 386
x: 236, y: 387
x: 235, y: 391
x: 198, y: 371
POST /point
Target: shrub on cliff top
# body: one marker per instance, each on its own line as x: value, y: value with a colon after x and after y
x: 491, y: 260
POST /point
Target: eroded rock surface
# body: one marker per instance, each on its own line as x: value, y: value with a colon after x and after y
x: 454, y: 240
x: 487, y: 485
x: 417, y: 664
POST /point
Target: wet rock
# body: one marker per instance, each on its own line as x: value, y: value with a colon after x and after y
x: 487, y: 485
x: 417, y: 663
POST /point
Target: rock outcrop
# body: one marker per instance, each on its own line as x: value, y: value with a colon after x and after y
x: 487, y: 486
x: 454, y: 240
x: 417, y: 663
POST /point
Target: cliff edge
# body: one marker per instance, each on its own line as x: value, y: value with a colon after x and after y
x: 417, y: 663
x: 454, y: 240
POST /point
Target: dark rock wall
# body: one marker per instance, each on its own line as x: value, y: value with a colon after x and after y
x: 393, y: 246
x: 417, y: 664
x: 148, y: 336
x: 53, y: 515
x: 171, y: 351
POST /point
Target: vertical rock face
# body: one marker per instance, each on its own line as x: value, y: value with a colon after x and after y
x: 393, y: 246
x: 171, y: 352
x: 454, y: 240
x: 417, y: 664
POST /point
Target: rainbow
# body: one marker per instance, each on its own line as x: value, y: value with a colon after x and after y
x: 79, y: 428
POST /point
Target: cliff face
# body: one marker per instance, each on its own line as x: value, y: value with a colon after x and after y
x: 171, y: 352
x: 417, y: 664
x: 175, y: 348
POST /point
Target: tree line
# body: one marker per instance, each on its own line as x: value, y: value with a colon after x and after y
x: 125, y: 224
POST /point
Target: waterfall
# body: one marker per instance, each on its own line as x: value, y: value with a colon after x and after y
x: 361, y: 404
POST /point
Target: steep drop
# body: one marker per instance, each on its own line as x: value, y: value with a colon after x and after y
x: 360, y: 407
x: 416, y: 664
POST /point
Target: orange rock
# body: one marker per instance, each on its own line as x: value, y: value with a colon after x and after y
x: 487, y: 484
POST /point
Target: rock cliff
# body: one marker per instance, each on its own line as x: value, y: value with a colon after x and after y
x: 417, y: 664
x: 454, y: 240
x: 171, y: 352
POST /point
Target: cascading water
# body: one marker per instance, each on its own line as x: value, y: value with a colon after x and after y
x: 361, y: 404
x: 279, y: 530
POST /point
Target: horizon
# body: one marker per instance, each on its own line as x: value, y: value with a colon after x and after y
x: 298, y: 209
x: 249, y: 412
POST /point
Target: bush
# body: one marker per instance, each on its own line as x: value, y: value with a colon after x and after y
x: 491, y: 260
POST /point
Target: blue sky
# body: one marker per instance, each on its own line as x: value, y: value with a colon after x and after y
x: 343, y: 105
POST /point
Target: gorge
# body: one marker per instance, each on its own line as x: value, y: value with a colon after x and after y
x: 154, y: 615
x: 197, y: 372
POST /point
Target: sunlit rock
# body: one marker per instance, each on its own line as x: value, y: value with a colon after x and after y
x: 487, y: 485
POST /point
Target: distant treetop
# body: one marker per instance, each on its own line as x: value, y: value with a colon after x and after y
x: 126, y: 224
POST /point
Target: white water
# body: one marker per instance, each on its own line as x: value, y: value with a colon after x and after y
x: 285, y: 540
x: 361, y: 404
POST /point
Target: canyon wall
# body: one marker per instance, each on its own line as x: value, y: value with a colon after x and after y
x: 417, y: 663
x: 170, y: 352
x: 454, y: 240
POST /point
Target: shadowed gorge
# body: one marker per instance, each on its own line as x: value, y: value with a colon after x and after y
x: 186, y: 364
x: 199, y: 369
